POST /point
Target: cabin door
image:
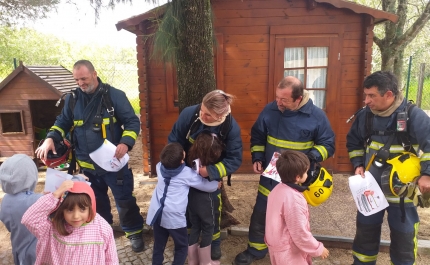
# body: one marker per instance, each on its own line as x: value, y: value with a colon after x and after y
x: 314, y: 59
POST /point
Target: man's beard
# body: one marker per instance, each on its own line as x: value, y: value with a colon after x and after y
x: 90, y: 89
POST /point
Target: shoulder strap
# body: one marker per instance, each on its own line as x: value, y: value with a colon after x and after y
x: 369, y: 127
x: 194, y: 122
x: 72, y: 101
x: 107, y: 100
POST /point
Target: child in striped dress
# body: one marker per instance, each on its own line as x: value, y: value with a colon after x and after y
x: 68, y: 229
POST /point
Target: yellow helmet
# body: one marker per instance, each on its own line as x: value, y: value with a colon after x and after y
x: 320, y: 186
x: 401, y: 170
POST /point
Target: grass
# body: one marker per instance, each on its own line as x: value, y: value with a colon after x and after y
x: 412, y: 93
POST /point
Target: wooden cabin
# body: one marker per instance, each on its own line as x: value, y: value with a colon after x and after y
x: 27, y: 106
x: 325, y: 43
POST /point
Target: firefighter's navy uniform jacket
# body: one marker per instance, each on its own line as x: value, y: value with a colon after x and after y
x: 86, y: 140
x: 403, y: 235
x: 307, y: 130
x: 230, y: 159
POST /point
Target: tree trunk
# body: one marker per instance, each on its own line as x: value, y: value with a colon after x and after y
x: 195, y: 66
x: 397, y: 37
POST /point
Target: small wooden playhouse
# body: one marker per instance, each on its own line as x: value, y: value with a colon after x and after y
x: 325, y: 43
x: 27, y: 106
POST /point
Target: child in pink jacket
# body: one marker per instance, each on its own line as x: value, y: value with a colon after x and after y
x: 68, y: 228
x: 288, y: 234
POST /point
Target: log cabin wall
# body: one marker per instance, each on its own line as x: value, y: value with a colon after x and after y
x: 245, y: 62
x: 15, y: 97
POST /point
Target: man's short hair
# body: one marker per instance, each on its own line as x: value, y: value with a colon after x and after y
x: 85, y: 63
x: 172, y: 155
x: 291, y: 164
x: 294, y: 83
x: 384, y: 80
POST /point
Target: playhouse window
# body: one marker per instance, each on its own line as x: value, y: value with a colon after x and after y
x: 12, y: 122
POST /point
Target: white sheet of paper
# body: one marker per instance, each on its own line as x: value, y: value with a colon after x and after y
x: 105, y: 158
x: 196, y: 165
x: 54, y: 178
x: 271, y: 171
x: 367, y: 194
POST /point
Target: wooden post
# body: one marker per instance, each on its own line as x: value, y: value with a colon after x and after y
x: 420, y: 84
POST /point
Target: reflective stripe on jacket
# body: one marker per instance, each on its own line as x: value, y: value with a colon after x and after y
x: 418, y: 128
x: 307, y: 130
x: 86, y: 140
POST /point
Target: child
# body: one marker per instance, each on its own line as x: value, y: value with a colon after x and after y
x: 207, y: 148
x: 166, y: 211
x: 18, y: 176
x: 288, y: 234
x: 70, y: 231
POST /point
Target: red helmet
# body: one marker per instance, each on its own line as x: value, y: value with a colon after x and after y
x: 62, y: 148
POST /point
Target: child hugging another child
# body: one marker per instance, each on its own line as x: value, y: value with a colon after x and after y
x: 68, y: 229
x: 288, y: 234
x: 207, y: 148
x: 169, y: 201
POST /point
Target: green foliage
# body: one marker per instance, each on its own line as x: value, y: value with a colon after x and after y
x: 418, y: 48
x: 117, y: 67
x: 14, y: 11
x: 165, y: 39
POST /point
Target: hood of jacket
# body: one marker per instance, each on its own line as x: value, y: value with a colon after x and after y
x: 18, y: 173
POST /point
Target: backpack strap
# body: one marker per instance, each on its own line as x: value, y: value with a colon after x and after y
x: 194, y: 122
x: 107, y: 102
x: 403, y: 137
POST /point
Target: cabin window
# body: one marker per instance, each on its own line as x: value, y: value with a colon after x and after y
x: 12, y: 122
x: 309, y: 64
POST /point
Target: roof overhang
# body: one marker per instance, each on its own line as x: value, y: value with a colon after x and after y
x: 379, y: 15
x: 132, y: 24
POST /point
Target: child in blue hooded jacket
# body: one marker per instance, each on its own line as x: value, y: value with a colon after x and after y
x: 18, y: 176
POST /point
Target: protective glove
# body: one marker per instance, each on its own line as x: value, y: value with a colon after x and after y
x: 424, y: 200
x: 412, y: 191
x: 312, y: 160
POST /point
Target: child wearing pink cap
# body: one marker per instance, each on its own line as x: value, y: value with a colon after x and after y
x: 68, y: 229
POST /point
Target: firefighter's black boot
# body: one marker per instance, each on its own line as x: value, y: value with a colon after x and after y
x: 245, y: 258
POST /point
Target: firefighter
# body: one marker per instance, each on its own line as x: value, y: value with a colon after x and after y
x: 292, y: 122
x: 214, y: 115
x: 384, y: 139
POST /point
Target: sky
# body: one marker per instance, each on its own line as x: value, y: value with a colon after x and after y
x: 78, y: 23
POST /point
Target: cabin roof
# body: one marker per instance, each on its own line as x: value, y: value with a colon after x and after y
x: 131, y: 24
x: 57, y: 77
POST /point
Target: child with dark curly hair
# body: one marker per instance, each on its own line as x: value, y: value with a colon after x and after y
x: 207, y: 148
